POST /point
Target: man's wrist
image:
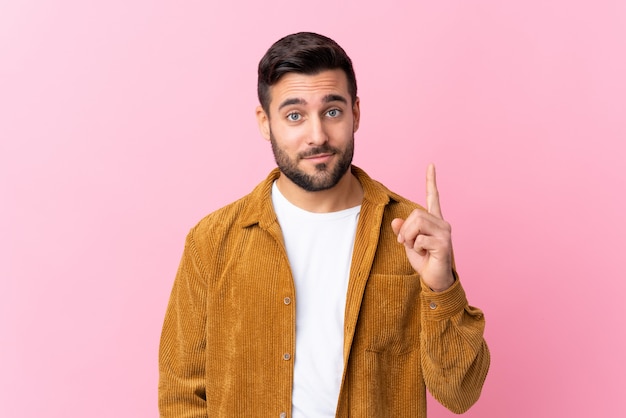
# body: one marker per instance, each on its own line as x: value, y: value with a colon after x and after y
x: 449, y: 282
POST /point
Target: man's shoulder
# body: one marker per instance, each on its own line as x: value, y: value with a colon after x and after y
x: 223, y: 216
x: 400, y: 207
x: 378, y: 193
x: 246, y: 210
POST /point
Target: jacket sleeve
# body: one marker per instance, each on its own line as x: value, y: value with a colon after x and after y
x: 182, y: 391
x: 455, y: 358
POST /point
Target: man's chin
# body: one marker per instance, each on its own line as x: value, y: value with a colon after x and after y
x: 314, y: 182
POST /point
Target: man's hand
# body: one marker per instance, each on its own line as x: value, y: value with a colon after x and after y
x: 427, y: 239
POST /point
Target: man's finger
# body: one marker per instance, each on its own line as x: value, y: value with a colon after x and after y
x: 396, y: 224
x: 432, y: 194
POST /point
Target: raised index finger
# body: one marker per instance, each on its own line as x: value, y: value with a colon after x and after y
x: 432, y: 194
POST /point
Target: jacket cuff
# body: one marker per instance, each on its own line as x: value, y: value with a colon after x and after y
x: 437, y: 306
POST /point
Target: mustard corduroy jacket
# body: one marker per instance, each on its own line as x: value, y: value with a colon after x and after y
x: 228, y: 341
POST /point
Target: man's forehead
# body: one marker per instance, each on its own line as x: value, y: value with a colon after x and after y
x: 297, y: 88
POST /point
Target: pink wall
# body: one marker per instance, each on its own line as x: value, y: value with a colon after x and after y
x: 123, y: 122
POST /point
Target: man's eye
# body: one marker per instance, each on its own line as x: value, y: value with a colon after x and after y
x: 294, y: 117
x: 333, y: 113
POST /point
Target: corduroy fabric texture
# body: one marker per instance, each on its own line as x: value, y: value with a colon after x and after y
x: 228, y: 341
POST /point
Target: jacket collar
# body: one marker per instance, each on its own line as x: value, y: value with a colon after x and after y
x: 261, y: 211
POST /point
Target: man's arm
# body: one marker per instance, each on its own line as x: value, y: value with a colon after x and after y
x: 183, y: 341
x: 455, y: 358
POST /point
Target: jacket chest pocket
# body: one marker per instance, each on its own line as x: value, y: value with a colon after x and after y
x: 389, y: 318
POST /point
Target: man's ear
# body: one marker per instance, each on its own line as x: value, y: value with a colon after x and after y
x: 263, y: 120
x: 356, y: 114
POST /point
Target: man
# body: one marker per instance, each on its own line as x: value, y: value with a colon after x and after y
x: 321, y: 293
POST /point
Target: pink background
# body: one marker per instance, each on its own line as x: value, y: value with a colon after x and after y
x: 123, y: 122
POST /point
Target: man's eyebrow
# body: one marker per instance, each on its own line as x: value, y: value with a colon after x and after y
x: 326, y: 99
x: 334, y: 98
x: 292, y: 101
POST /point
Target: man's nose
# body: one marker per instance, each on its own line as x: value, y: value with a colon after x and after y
x: 317, y: 133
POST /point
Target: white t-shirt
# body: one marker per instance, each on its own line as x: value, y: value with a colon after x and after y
x: 319, y: 247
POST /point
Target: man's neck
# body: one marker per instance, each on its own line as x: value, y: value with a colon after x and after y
x: 347, y: 193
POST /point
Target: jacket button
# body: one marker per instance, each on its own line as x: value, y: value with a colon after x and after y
x: 283, y: 415
x: 287, y: 300
x: 433, y: 305
x: 286, y: 356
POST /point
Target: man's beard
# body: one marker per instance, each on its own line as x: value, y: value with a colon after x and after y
x: 324, y: 177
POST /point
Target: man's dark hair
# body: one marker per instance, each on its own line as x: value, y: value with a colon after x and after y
x: 304, y: 53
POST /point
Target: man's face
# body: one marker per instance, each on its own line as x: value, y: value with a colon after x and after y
x: 311, y: 125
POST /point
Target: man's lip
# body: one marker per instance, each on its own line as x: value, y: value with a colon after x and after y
x: 317, y: 156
